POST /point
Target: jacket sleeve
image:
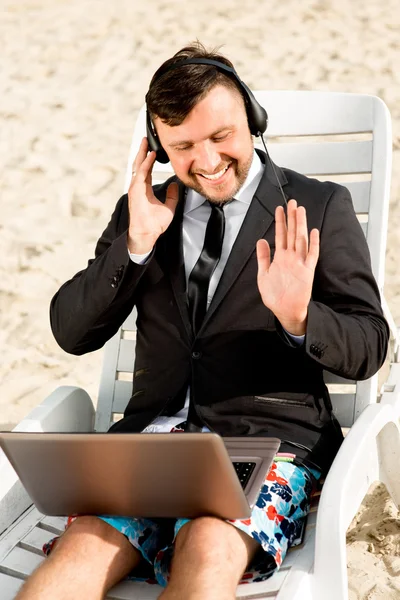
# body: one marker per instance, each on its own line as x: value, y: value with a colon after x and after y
x: 89, y: 308
x: 347, y: 333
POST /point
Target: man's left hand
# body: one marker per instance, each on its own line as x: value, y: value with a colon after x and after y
x: 285, y: 284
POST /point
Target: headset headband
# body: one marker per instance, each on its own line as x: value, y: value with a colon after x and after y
x: 198, y: 61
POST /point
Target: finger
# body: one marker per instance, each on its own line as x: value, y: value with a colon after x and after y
x: 144, y: 171
x: 143, y: 174
x: 313, y: 252
x: 150, y: 167
x: 280, y: 229
x: 263, y: 257
x: 172, y: 197
x: 292, y: 224
x: 301, y: 245
x: 140, y: 156
x: 133, y: 171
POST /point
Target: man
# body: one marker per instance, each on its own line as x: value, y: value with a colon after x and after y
x: 240, y: 351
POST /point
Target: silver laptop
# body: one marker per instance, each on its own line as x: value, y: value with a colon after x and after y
x: 141, y: 474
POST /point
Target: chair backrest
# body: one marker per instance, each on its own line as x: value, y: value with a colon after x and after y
x: 328, y: 135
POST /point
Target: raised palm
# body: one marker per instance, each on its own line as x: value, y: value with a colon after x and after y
x: 285, y: 284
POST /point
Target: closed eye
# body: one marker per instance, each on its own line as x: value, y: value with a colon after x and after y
x: 220, y: 138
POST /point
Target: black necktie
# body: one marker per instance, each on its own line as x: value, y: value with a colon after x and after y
x: 199, y: 278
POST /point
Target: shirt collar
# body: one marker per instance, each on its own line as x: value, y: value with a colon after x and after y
x: 245, y: 194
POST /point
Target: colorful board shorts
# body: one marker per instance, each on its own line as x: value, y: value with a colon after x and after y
x: 276, y: 522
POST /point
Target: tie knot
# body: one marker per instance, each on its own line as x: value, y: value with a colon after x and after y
x: 216, y: 207
x: 216, y: 223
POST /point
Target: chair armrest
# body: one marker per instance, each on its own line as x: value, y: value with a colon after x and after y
x: 68, y: 408
x: 391, y: 389
x: 369, y: 453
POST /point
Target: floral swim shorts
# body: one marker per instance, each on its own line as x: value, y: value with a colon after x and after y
x: 276, y: 522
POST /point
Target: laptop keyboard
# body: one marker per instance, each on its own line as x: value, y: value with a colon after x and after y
x: 244, y: 471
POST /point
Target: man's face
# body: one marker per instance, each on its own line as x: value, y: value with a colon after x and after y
x: 212, y: 149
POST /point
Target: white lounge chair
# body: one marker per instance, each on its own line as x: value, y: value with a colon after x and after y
x: 371, y: 450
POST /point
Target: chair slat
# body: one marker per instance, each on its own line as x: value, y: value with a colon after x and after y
x: 21, y: 563
x: 24, y: 524
x: 122, y: 394
x: 36, y: 538
x: 130, y: 322
x: 126, y: 356
x: 107, y: 383
x: 360, y: 191
x: 317, y: 113
x: 331, y: 378
x: 343, y: 408
x: 54, y: 524
x: 325, y: 158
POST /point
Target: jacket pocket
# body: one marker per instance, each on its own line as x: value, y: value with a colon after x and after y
x: 287, y: 400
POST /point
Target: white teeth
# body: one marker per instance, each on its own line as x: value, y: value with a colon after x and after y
x: 216, y: 175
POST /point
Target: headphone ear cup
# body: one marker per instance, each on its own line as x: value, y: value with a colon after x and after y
x: 154, y: 142
x: 256, y: 114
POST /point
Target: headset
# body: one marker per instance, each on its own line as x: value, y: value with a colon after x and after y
x: 257, y: 116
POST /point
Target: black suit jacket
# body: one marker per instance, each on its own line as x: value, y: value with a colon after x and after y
x: 246, y: 377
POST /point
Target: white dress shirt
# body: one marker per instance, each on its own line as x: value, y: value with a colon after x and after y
x: 196, y: 213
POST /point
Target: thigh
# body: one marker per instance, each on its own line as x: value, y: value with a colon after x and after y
x: 277, y: 519
x: 145, y: 536
x: 89, y: 545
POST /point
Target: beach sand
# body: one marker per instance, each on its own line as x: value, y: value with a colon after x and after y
x: 73, y: 75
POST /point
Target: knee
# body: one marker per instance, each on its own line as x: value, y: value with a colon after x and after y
x: 207, y: 536
x: 91, y: 525
x: 212, y: 540
x: 87, y: 534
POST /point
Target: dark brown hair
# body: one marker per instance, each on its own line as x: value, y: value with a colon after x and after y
x: 173, y: 94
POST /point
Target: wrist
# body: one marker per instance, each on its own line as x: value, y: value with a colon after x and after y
x: 140, y: 244
x: 294, y: 326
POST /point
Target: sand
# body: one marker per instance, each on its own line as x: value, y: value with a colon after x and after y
x: 73, y: 75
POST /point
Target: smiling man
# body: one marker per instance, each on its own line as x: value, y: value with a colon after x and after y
x: 249, y: 280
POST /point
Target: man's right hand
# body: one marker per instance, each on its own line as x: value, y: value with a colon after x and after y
x: 148, y: 217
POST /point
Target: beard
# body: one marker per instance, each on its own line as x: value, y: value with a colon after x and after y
x: 240, y: 170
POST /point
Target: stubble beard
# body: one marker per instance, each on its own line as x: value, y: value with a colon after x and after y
x: 241, y: 173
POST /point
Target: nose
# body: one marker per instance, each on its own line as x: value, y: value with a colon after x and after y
x: 207, y: 159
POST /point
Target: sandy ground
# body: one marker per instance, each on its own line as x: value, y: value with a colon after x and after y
x: 73, y: 75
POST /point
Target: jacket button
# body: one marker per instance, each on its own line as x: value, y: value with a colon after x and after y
x: 196, y: 355
x: 114, y: 282
x: 316, y: 351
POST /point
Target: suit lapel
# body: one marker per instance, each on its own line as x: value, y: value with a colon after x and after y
x: 257, y: 224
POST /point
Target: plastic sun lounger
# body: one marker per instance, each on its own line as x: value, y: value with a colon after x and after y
x: 371, y: 450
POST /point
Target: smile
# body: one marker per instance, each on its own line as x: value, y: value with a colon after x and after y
x: 216, y: 176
